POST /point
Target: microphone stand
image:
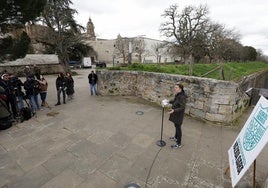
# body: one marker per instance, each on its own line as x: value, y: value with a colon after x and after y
x: 160, y: 142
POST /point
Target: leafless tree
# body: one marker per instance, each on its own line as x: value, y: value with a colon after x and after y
x: 231, y: 50
x: 122, y: 47
x: 139, y: 47
x: 261, y: 56
x: 185, y: 27
x: 158, y: 51
x: 213, y: 41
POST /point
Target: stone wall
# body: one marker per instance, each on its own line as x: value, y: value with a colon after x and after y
x: 40, y: 33
x: 18, y: 70
x: 207, y: 99
x: 49, y: 64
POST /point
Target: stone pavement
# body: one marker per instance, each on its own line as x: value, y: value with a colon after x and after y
x: 108, y: 141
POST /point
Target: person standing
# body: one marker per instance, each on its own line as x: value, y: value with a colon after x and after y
x: 177, y: 113
x: 9, y: 88
x: 27, y: 72
x: 37, y: 71
x: 61, y: 88
x: 93, y: 79
x: 6, y: 118
x: 43, y: 90
x: 17, y: 85
x: 70, y: 85
x: 32, y: 88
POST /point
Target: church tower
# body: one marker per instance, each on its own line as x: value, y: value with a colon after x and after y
x: 90, y: 30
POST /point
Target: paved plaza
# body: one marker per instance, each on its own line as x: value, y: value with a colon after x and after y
x: 110, y: 141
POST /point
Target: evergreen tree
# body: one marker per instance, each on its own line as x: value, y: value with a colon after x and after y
x: 17, y: 13
x: 13, y: 15
x: 20, y: 46
x: 60, y: 17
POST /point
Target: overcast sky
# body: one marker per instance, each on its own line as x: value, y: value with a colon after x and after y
x: 131, y: 18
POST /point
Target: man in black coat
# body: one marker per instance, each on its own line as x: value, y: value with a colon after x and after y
x: 32, y: 89
x: 93, y: 79
x: 6, y: 119
x: 61, y: 88
x: 10, y: 93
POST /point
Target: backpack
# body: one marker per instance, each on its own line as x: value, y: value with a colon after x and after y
x: 26, y: 113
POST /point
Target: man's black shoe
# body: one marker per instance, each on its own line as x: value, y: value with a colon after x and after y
x: 57, y: 104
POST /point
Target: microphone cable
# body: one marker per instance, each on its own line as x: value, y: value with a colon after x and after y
x: 149, y: 173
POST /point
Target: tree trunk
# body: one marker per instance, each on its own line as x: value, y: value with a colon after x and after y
x: 191, y: 64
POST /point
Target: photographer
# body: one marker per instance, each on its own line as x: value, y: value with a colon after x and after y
x: 32, y: 88
x: 6, y: 119
x: 17, y: 85
x: 10, y: 93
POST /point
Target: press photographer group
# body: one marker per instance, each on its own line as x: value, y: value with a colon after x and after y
x: 16, y: 95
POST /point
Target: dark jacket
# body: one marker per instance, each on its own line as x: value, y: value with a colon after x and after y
x: 178, y: 105
x: 32, y: 87
x: 16, y: 84
x: 92, y: 78
x: 4, y: 112
x: 4, y: 84
x: 61, y: 82
x: 70, y: 86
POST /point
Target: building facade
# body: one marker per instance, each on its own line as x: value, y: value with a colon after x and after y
x: 154, y: 51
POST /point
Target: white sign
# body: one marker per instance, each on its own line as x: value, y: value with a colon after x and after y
x: 250, y: 141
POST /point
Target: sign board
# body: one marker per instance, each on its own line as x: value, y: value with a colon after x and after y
x: 250, y: 141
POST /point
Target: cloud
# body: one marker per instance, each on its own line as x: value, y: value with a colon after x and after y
x: 143, y: 17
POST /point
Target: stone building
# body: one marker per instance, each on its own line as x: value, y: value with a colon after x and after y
x: 90, y: 30
x: 154, y: 51
x: 103, y: 49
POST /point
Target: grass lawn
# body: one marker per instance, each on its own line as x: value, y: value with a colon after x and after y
x: 232, y: 71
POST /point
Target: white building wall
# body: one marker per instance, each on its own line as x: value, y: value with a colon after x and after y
x: 105, y: 50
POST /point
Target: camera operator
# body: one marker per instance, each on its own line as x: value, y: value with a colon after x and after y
x: 6, y: 119
x: 10, y: 93
x: 17, y: 84
x: 32, y: 88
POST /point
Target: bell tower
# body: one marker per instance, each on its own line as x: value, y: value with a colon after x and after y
x: 90, y: 30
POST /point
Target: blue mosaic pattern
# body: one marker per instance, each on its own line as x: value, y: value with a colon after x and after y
x: 256, y: 129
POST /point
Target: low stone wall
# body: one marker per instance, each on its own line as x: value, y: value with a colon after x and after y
x: 207, y: 99
x: 48, y: 63
x: 45, y: 69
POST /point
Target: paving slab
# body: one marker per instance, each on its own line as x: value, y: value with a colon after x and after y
x: 110, y: 141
